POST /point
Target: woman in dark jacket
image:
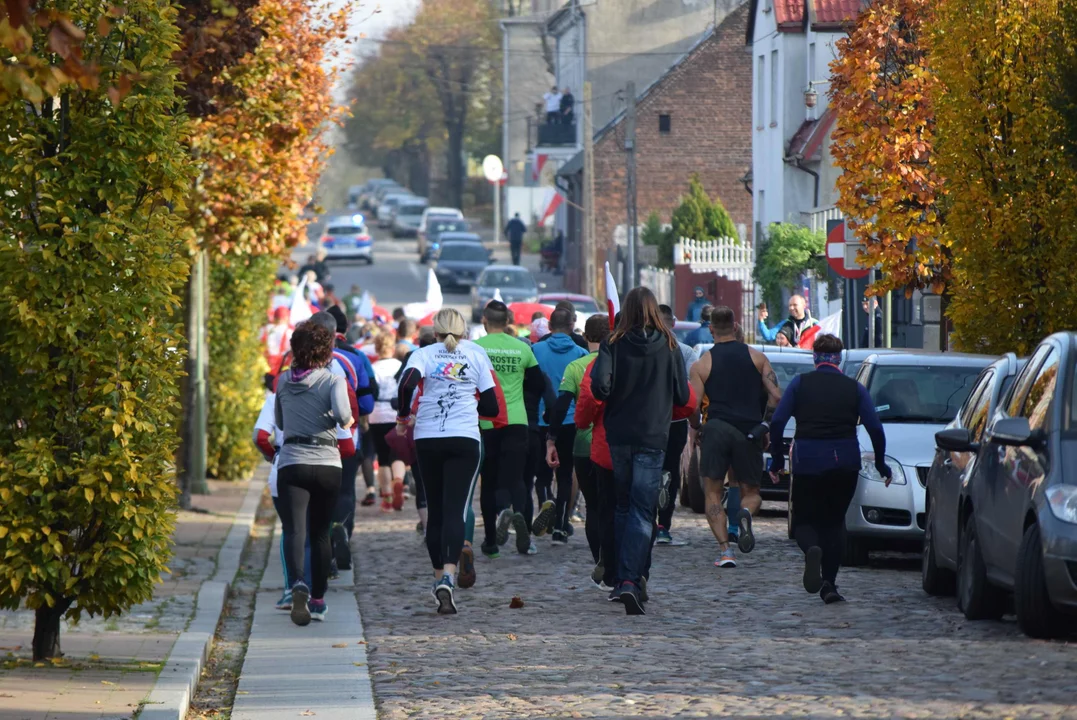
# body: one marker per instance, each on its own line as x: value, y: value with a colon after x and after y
x: 825, y: 460
x: 639, y: 375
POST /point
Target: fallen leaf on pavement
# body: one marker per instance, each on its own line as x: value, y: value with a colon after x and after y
x: 341, y: 645
x: 307, y: 713
x: 511, y: 636
x: 106, y: 682
x: 361, y: 642
x: 516, y: 603
x: 359, y: 664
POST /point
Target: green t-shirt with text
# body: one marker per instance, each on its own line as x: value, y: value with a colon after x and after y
x: 510, y: 357
x: 570, y: 382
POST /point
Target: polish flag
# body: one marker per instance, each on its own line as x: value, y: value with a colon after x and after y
x: 497, y: 295
x: 300, y: 308
x: 830, y: 325
x: 613, y: 305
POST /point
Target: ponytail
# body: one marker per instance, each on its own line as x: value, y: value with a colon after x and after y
x: 449, y: 326
x: 451, y: 341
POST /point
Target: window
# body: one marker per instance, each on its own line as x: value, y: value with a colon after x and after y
x: 507, y: 279
x: 773, y: 87
x: 1038, y: 405
x: 1024, y: 381
x: 664, y: 123
x: 920, y: 393
x: 464, y: 252
x: 974, y: 413
x: 760, y: 105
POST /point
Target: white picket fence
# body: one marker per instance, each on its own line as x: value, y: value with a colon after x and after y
x: 727, y: 257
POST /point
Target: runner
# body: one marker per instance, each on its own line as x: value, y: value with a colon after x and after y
x: 827, y: 406
x: 596, y: 330
x: 737, y: 383
x: 554, y: 354
x: 503, y: 496
x: 639, y: 374
x: 310, y: 403
x: 458, y: 387
x: 678, y: 438
x: 276, y: 339
x: 382, y: 422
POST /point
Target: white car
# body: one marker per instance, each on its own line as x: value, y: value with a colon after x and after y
x: 438, y: 212
x: 348, y: 239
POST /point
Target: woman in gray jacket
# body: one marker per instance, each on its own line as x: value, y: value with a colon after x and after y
x: 311, y: 402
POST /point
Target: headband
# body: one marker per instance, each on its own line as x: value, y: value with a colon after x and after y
x: 833, y: 358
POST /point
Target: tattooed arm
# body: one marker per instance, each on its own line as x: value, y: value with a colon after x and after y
x: 770, y: 383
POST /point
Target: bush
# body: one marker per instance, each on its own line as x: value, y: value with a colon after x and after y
x: 787, y: 252
x: 653, y: 233
x: 700, y: 218
x: 92, y: 256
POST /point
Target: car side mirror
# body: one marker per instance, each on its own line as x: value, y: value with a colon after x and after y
x: 956, y: 440
x: 1015, y: 432
x: 542, y: 286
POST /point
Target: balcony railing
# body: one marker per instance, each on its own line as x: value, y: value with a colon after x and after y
x: 552, y: 134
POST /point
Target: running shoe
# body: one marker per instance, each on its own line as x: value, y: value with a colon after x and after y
x: 813, y: 578
x: 467, y: 575
x: 300, y: 596
x: 560, y: 537
x: 728, y: 559
x: 318, y: 610
x: 643, y: 596
x: 733, y: 537
x: 370, y: 498
x: 342, y: 553
x: 523, y: 538
x: 830, y: 594
x: 504, y: 520
x: 630, y: 598
x: 745, y: 538
x: 285, y: 602
x: 576, y: 517
x: 491, y: 553
x: 386, y: 503
x: 541, y: 524
x: 598, y: 573
x: 663, y: 538
x: 398, y: 495
x: 615, y: 594
x: 443, y: 594
x: 532, y: 548
x: 663, y: 491
x: 569, y: 529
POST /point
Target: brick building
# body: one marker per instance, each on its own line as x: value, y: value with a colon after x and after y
x: 696, y: 118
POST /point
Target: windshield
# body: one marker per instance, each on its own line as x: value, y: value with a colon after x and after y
x: 450, y: 226
x: 787, y: 371
x: 410, y: 210
x: 469, y: 252
x: 507, y: 279
x: 851, y: 367
x: 920, y: 393
x: 346, y: 230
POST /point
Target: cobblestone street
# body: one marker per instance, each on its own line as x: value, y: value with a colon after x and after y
x: 739, y: 643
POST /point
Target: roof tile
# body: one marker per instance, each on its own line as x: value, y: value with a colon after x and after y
x: 835, y: 13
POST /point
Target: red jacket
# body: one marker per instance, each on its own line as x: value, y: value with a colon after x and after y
x: 589, y: 412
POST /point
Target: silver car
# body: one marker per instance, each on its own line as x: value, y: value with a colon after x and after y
x: 514, y: 283
x: 388, y: 206
x: 406, y: 217
x: 915, y: 394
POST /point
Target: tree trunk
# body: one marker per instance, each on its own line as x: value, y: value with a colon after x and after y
x: 46, y: 642
x: 455, y: 170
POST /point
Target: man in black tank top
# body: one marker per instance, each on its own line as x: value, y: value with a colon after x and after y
x: 739, y: 389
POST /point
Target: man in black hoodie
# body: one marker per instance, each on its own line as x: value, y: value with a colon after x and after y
x: 639, y: 374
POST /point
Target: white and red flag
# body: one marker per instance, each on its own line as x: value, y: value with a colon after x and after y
x: 613, y: 304
x: 830, y: 325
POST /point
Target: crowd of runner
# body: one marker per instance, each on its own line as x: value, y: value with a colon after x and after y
x: 537, y: 415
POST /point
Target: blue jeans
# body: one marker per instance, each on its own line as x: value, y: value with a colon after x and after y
x: 637, y: 473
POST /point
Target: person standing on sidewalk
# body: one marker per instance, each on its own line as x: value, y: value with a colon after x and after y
x: 825, y: 459
x: 503, y: 496
x: 514, y: 231
x: 741, y: 391
x: 639, y: 374
x: 554, y: 355
x: 458, y: 388
x: 310, y: 403
x: 678, y: 438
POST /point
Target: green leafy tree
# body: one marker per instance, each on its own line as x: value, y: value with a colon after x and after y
x: 653, y: 233
x: 785, y: 255
x: 700, y: 218
x: 93, y: 253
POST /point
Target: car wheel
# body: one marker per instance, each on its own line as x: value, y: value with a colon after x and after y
x: 370, y: 260
x: 1036, y: 616
x: 856, y: 552
x: 976, y: 596
x: 697, y: 499
x: 789, y: 529
x: 935, y: 580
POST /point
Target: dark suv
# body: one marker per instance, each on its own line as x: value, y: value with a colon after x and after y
x: 1018, y: 520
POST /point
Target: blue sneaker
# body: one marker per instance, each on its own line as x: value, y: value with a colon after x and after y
x: 443, y: 594
x: 285, y: 602
x: 300, y: 597
x: 318, y: 609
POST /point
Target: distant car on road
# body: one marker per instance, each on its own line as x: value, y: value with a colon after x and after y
x: 388, y: 206
x: 1018, y: 527
x: 443, y: 213
x: 585, y: 306
x: 515, y: 283
x: 460, y: 260
x: 406, y: 217
x: 346, y: 239
x: 435, y: 228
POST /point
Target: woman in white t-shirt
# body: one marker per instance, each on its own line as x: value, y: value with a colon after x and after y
x: 382, y: 421
x: 458, y: 387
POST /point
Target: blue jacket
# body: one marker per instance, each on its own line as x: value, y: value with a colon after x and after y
x: 695, y: 308
x: 554, y: 355
x: 815, y: 456
x: 360, y: 366
x: 700, y: 335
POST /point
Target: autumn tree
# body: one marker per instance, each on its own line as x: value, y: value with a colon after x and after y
x: 32, y: 67
x: 93, y: 247
x: 1004, y: 148
x: 883, y: 91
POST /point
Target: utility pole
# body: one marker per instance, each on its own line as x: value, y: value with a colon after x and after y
x: 590, y: 280
x: 631, y: 275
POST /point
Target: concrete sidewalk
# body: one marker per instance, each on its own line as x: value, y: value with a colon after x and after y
x: 291, y: 671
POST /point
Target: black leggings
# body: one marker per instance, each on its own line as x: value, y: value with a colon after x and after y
x: 678, y: 438
x: 564, y: 441
x: 309, y: 489
x: 821, y: 502
x: 607, y: 503
x: 450, y: 468
x: 537, y: 469
x: 504, y: 459
x: 345, y: 507
x: 420, y: 489
x: 585, y: 475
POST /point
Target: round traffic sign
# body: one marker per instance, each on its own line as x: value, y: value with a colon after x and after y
x: 836, y: 254
x: 492, y: 168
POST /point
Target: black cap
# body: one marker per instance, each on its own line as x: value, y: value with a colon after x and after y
x: 338, y: 315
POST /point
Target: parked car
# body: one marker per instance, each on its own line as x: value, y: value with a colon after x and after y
x: 388, y: 206
x: 406, y: 217
x: 460, y: 260
x: 515, y: 283
x: 852, y: 359
x: 354, y: 192
x: 948, y: 480
x: 370, y: 189
x: 435, y: 227
x: 346, y: 239
x: 1018, y: 526
x: 916, y: 394
x: 444, y: 213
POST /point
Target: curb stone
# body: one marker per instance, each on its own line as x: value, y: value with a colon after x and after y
x: 177, y: 681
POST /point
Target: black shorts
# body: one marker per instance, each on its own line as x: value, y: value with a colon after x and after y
x: 723, y: 448
x: 385, y: 454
